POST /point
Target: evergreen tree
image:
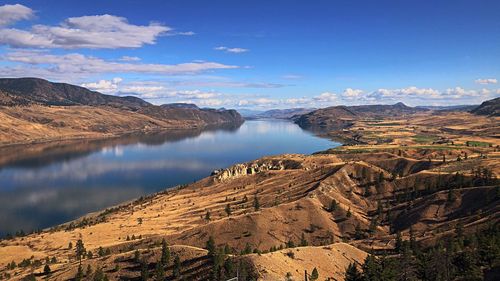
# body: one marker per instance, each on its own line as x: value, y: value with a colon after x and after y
x: 159, y: 272
x: 207, y: 216
x: 371, y: 269
x: 303, y: 241
x: 228, y: 209
x: 99, y: 275
x: 80, y: 250
x: 88, y: 272
x: 165, y: 253
x: 314, y: 275
x: 352, y: 273
x: 144, y: 271
x: 399, y: 242
x: 256, y: 203
x: 177, y: 267
x: 46, y: 269
x: 210, y: 246
x: 348, y: 214
x: 333, y: 205
x: 79, y: 273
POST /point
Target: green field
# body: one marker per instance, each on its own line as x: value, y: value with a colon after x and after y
x: 424, y: 138
x: 479, y: 143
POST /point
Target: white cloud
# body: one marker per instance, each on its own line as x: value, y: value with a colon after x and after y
x: 94, y: 32
x: 128, y: 58
x: 351, y: 93
x: 326, y: 97
x: 186, y: 33
x: 291, y: 76
x: 104, y: 86
x: 486, y: 81
x: 230, y: 84
x: 231, y: 50
x: 43, y: 64
x: 10, y: 14
x: 261, y: 102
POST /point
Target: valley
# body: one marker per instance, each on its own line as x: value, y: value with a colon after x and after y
x: 281, y: 215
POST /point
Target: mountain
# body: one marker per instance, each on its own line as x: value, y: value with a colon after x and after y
x: 490, y: 108
x: 180, y: 105
x: 43, y: 92
x: 339, y: 117
x: 464, y: 107
x: 35, y: 109
x: 281, y: 113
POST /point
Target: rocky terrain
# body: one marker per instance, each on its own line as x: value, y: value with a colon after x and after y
x: 259, y: 212
x: 415, y: 196
x: 491, y: 108
x: 35, y: 110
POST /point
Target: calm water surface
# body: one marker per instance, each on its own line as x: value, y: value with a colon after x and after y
x: 69, y: 180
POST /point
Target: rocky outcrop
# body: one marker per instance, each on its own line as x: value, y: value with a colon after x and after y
x: 254, y: 167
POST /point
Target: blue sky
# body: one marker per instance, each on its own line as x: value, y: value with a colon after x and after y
x: 260, y: 54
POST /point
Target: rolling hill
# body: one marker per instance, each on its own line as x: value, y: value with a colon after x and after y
x: 36, y: 110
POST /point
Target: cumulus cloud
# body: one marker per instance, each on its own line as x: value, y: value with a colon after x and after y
x: 486, y: 81
x: 43, y: 64
x: 326, y: 97
x: 10, y: 14
x: 128, y: 58
x: 231, y: 50
x: 352, y: 93
x: 94, y: 32
x: 104, y: 86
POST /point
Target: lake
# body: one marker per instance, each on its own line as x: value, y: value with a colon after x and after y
x: 48, y: 184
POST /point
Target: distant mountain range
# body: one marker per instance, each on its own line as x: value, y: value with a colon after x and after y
x: 465, y: 107
x: 280, y: 113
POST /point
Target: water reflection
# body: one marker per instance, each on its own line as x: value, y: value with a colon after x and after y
x: 46, y: 184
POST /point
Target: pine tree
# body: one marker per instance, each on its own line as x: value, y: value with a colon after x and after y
x: 348, y: 214
x: 352, y: 273
x: 371, y: 268
x: 399, y: 242
x: 80, y: 250
x: 228, y: 209
x: 88, y: 272
x: 159, y: 272
x: 256, y: 203
x: 207, y: 216
x: 46, y: 269
x: 79, y: 273
x: 210, y: 246
x: 314, y: 275
x: 303, y: 241
x: 333, y: 205
x: 99, y: 275
x: 165, y: 253
x: 177, y: 267
x: 144, y: 271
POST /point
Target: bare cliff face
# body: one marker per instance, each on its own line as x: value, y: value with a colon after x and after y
x: 250, y: 168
